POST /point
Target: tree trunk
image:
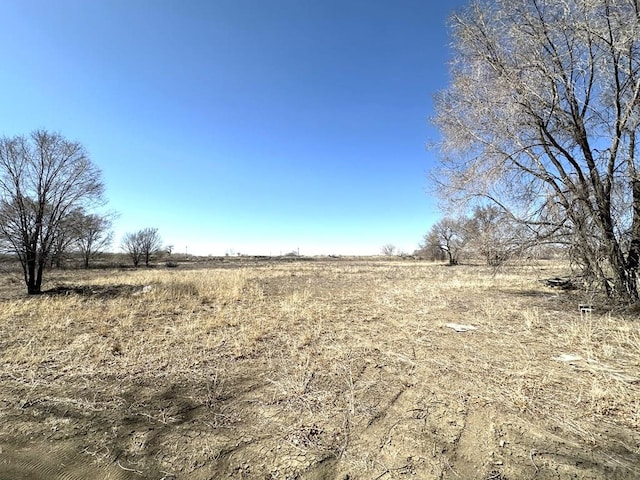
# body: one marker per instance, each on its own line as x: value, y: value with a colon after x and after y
x: 633, y: 256
x: 452, y: 259
x: 33, y: 286
x: 623, y: 271
x: 38, y: 285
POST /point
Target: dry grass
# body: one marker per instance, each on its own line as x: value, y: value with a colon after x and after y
x: 334, y: 369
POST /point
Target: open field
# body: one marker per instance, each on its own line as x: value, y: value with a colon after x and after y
x: 315, y: 370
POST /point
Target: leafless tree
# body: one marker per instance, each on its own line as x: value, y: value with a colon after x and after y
x: 64, y: 238
x: 429, y: 249
x: 151, y: 243
x: 43, y: 178
x: 388, y: 249
x: 542, y: 117
x: 130, y: 244
x: 449, y: 237
x: 493, y: 235
x: 79, y: 232
x: 92, y: 234
x: 142, y: 244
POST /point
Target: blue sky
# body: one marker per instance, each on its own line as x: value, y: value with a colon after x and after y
x: 251, y: 126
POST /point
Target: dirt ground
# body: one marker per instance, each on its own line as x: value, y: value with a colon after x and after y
x: 324, y: 369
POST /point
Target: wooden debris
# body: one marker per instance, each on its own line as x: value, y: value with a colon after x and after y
x: 559, y: 282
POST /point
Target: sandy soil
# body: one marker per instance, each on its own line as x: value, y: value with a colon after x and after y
x: 337, y: 369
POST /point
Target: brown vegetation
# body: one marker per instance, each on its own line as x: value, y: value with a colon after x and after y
x: 317, y: 369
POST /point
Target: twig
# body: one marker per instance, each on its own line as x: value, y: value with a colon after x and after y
x: 382, y: 474
x: 531, y: 454
x: 128, y: 469
x: 451, y: 468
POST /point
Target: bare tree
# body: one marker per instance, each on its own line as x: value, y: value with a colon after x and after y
x: 130, y: 244
x: 493, y: 235
x: 86, y: 234
x: 142, y: 244
x: 388, y: 249
x: 542, y: 116
x: 64, y: 238
x: 92, y: 235
x: 150, y: 242
x: 43, y: 178
x: 429, y: 248
x: 449, y: 237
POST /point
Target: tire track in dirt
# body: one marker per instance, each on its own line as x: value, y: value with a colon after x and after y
x: 42, y: 461
x: 495, y: 444
x: 550, y: 453
x: 474, y: 451
x: 399, y: 440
